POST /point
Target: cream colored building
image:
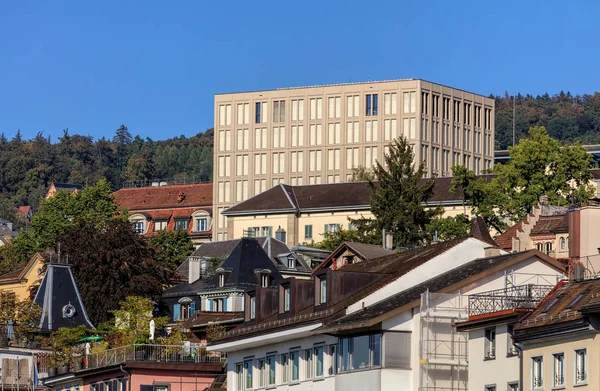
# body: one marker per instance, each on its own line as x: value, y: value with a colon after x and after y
x: 319, y: 134
x: 306, y: 212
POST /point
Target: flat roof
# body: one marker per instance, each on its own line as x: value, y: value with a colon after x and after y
x: 349, y: 84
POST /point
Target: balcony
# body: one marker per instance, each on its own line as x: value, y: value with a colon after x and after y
x: 174, y: 354
x: 522, y: 296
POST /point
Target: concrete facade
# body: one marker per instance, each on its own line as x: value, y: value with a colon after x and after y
x: 319, y: 134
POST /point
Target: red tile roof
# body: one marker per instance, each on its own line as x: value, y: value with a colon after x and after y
x: 24, y: 210
x: 504, y: 241
x: 551, y: 224
x: 165, y: 197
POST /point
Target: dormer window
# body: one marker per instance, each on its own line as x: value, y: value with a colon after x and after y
x: 201, y: 221
x: 291, y: 262
x: 286, y: 298
x: 181, y: 225
x: 265, y: 280
x: 252, y: 307
x: 202, y: 224
x: 323, y: 290
x: 139, y: 227
x: 160, y: 225
x: 221, y: 280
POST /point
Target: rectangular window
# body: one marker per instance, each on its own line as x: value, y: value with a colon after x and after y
x: 308, y: 230
x: 352, y: 132
x: 252, y: 307
x: 297, y: 109
x: 279, y: 111
x: 580, y: 366
x: 286, y: 298
x: 352, y: 105
x: 360, y: 352
x: 318, y: 361
x: 295, y: 365
x: 316, y: 134
x: 202, y: 224
x: 139, y: 227
x: 183, y: 224
x: 537, y: 366
x: 333, y: 133
x: 372, y: 104
x: 248, y: 370
x: 315, y: 161
x: 389, y: 103
x: 239, y: 376
x: 371, y: 130
x: 308, y: 364
x: 316, y: 108
x: 334, y: 109
x: 160, y: 225
x: 285, y: 373
x: 271, y: 370
x: 260, y: 372
x: 323, y: 290
x: 559, y: 370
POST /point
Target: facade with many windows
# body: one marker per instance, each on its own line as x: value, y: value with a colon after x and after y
x: 320, y: 134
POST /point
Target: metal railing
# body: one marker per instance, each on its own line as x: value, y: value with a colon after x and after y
x: 522, y: 296
x: 161, y: 182
x: 154, y: 353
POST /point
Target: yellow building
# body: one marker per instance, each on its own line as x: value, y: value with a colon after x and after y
x: 559, y: 340
x: 306, y: 212
x: 23, y: 280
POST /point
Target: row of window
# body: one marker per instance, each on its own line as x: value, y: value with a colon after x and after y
x: 350, y: 354
x: 559, y: 380
x: 546, y: 247
x: 471, y: 114
x: 200, y: 225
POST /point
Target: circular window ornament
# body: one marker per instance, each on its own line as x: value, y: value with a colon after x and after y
x: 68, y: 311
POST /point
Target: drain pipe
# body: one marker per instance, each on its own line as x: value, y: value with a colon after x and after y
x: 521, y: 348
x: 128, y: 377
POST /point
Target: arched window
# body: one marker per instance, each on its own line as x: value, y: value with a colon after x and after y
x: 567, y: 244
x: 540, y: 246
x: 548, y: 247
x: 563, y: 246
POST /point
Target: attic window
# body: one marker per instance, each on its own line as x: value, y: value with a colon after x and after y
x: 547, y: 308
x: 221, y: 280
x: 264, y: 280
x: 576, y: 300
x: 291, y: 262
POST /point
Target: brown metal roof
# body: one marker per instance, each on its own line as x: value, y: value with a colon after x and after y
x: 551, y: 224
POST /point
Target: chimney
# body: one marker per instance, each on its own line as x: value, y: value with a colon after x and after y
x: 491, y: 251
x: 180, y: 197
x: 194, y: 269
x: 280, y: 234
x: 574, y: 216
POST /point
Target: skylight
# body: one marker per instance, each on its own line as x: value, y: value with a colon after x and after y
x: 576, y: 300
x: 547, y: 308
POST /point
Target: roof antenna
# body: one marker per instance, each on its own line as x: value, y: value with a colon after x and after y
x: 58, y: 253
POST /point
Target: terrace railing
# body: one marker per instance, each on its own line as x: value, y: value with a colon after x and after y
x: 153, y: 353
x: 522, y: 296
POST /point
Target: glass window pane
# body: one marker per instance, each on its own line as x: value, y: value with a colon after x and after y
x: 344, y: 354
x: 360, y: 352
x: 295, y: 357
x: 319, y: 362
x: 376, y: 350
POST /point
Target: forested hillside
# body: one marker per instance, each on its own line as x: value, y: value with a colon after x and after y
x: 565, y: 116
x: 28, y: 166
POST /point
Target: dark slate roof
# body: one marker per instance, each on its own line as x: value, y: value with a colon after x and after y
x: 223, y: 249
x: 284, y: 198
x: 185, y: 289
x: 202, y: 318
x: 402, y: 262
x: 56, y: 295
x: 363, y: 250
x: 479, y: 230
x: 456, y: 275
x: 241, y: 264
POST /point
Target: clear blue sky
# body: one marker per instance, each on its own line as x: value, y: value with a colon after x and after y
x: 155, y: 65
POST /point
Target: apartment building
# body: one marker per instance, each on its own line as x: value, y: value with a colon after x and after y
x: 319, y: 134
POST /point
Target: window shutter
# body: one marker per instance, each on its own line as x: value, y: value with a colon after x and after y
x: 325, y: 228
x: 225, y: 304
x: 192, y: 308
x: 210, y: 304
x: 177, y: 312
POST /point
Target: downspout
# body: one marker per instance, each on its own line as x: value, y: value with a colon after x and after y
x: 520, y: 347
x: 128, y: 377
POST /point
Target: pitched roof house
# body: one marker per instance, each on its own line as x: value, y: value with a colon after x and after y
x: 365, y: 326
x: 307, y: 212
x: 24, y: 281
x: 348, y: 253
x: 56, y: 187
x: 171, y: 207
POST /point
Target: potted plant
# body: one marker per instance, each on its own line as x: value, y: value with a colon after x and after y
x: 53, y: 362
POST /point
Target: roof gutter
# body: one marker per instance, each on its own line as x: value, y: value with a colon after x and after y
x: 230, y: 321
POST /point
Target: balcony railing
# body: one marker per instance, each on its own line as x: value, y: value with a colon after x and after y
x: 154, y: 353
x: 522, y: 296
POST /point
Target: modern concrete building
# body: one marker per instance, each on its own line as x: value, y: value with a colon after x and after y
x: 319, y: 134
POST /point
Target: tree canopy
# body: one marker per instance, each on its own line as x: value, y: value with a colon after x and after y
x: 171, y: 247
x: 539, y: 166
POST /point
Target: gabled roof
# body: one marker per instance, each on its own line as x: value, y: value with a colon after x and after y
x: 505, y: 239
x: 363, y: 250
x: 289, y: 199
x: 479, y: 230
x: 24, y: 210
x: 21, y: 273
x: 66, y: 186
x: 247, y: 257
x: 165, y: 197
x: 551, y: 225
x: 451, y: 280
x: 566, y: 306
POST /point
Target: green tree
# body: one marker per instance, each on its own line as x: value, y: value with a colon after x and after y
x: 397, y: 199
x: 24, y: 314
x: 332, y: 240
x: 362, y: 174
x: 111, y: 263
x: 171, y: 247
x: 539, y: 166
x: 133, y: 317
x: 8, y: 211
x: 448, y: 228
x: 56, y: 215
